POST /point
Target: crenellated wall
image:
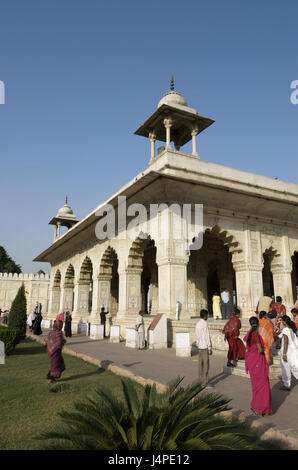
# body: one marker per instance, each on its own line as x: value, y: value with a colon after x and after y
x: 36, y: 289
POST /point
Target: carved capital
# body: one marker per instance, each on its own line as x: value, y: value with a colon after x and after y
x: 168, y: 122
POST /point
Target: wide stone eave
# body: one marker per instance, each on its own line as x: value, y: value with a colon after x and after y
x: 261, y: 195
x: 137, y: 184
x: 155, y: 122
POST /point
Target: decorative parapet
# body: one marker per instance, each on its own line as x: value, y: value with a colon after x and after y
x: 24, y: 277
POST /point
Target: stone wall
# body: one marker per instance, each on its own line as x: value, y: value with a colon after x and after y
x: 36, y: 289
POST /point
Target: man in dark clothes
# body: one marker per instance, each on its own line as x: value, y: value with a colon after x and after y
x: 103, y: 315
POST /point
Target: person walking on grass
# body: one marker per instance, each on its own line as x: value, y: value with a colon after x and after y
x: 288, y: 352
x: 204, y: 346
x: 258, y: 368
x: 55, y: 342
x: 140, y: 328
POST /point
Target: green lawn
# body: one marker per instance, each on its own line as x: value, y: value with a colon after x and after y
x: 29, y: 405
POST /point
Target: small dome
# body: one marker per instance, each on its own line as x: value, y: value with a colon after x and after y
x: 172, y: 98
x: 65, y: 210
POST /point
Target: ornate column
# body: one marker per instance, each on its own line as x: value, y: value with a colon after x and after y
x: 81, y: 302
x: 130, y: 297
x: 172, y: 279
x: 282, y: 280
x: 55, y: 294
x: 66, y: 304
x: 152, y: 138
x: 194, y: 134
x: 168, y: 124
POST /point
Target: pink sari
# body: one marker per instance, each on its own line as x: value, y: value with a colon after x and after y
x: 256, y: 365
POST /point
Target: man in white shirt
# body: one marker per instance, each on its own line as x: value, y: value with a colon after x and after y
x: 225, y: 304
x: 141, y: 330
x: 204, y: 346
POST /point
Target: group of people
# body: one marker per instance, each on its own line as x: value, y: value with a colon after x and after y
x: 4, y: 316
x: 221, y: 305
x: 271, y: 324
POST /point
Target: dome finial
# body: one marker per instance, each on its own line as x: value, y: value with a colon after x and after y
x: 66, y: 200
x: 172, y: 83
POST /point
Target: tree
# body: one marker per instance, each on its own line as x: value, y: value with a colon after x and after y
x: 7, y: 264
x: 17, y: 318
x: 179, y: 419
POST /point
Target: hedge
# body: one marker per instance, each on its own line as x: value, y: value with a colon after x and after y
x: 10, y: 338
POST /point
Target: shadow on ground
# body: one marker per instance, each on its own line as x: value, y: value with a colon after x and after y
x: 81, y: 376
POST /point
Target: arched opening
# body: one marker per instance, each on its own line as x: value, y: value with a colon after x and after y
x: 268, y: 284
x: 86, y: 284
x: 68, y: 301
x: 210, y: 270
x: 142, y: 256
x: 57, y: 279
x: 109, y: 281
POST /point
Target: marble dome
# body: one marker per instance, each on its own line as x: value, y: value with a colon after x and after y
x: 172, y: 98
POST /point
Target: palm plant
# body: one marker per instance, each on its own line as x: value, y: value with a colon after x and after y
x: 178, y: 419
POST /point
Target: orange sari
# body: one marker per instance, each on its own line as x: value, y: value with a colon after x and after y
x: 266, y: 331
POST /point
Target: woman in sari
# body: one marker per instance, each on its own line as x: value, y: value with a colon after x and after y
x: 36, y: 325
x: 216, y: 306
x: 67, y: 327
x: 232, y: 331
x: 256, y: 365
x: 266, y: 330
x: 289, y: 352
x: 280, y: 310
x: 55, y: 343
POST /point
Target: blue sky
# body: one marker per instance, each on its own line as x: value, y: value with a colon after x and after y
x: 81, y: 76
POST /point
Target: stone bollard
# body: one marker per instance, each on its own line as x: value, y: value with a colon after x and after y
x: 131, y: 338
x: 115, y: 334
x: 97, y: 331
x: 2, y: 353
x: 183, y: 347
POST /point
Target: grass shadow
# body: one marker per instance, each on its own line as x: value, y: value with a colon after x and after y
x: 29, y: 350
x: 81, y: 376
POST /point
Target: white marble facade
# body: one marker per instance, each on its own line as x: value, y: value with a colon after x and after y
x: 250, y: 237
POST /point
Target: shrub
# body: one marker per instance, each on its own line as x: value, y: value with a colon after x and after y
x: 10, y: 338
x: 178, y: 419
x: 17, y: 318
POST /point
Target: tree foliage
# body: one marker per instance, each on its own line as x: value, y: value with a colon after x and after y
x: 17, y: 318
x: 179, y: 419
x: 7, y: 264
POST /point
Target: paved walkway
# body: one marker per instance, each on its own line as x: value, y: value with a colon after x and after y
x: 163, y: 366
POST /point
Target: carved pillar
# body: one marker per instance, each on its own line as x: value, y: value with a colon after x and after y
x: 168, y: 124
x: 172, y: 286
x: 282, y: 280
x: 152, y: 138
x: 81, y: 300
x: 55, y: 294
x: 249, y: 287
x: 130, y: 291
x: 66, y: 304
x: 194, y: 134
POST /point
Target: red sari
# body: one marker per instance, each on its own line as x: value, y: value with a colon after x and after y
x: 231, y: 331
x: 256, y: 365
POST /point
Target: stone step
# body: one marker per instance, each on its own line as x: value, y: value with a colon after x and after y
x: 275, y: 370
